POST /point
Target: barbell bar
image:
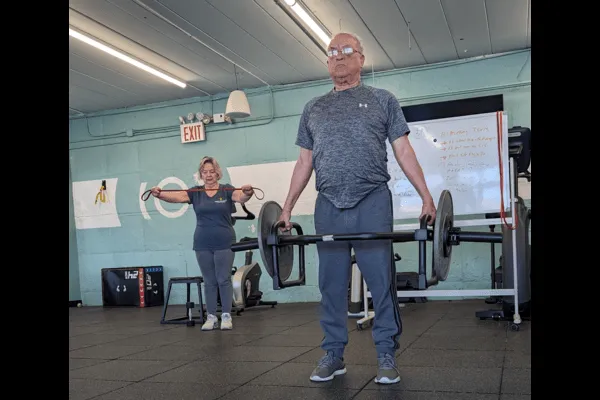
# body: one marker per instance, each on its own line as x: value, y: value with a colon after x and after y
x: 277, y: 247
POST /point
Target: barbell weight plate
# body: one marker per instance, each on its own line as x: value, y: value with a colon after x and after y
x: 443, y: 223
x: 269, y: 215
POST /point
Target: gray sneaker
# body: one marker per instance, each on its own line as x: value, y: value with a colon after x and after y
x: 387, y: 372
x: 328, y: 367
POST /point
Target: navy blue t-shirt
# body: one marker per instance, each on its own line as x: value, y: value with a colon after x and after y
x: 214, y: 228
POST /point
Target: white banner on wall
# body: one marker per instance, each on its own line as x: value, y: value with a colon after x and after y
x: 274, y: 179
x: 94, y: 208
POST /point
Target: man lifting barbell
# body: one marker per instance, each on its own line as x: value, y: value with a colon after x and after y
x: 342, y: 135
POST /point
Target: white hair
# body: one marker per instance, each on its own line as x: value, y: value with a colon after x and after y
x: 355, y: 36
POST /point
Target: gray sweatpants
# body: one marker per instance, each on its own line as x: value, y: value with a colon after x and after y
x: 375, y: 261
x: 216, y: 271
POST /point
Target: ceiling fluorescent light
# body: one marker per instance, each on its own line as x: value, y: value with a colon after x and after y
x: 303, y: 15
x: 125, y: 58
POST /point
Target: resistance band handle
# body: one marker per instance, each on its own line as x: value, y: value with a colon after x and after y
x: 248, y: 216
x: 146, y: 195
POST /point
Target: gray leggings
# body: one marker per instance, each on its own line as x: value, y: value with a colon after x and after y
x: 216, y: 271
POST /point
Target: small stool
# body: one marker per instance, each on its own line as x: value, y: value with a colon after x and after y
x: 189, y: 319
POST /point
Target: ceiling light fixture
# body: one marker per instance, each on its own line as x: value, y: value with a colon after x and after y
x: 303, y: 15
x: 125, y: 58
x: 237, y: 103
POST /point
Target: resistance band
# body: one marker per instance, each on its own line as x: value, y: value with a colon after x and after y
x: 147, y: 193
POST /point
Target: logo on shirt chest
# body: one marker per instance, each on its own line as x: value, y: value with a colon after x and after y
x: 360, y: 105
x: 220, y: 200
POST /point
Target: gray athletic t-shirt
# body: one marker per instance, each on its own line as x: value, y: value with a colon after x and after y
x: 346, y: 132
x: 214, y: 228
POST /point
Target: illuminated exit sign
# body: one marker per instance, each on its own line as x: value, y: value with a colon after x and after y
x: 192, y: 132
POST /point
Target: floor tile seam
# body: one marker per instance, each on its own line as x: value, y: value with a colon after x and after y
x: 141, y: 351
x: 141, y: 380
x: 253, y: 340
x: 290, y: 327
x: 110, y: 341
x: 122, y: 357
x: 453, y: 349
x: 256, y: 377
x: 128, y: 335
x: 147, y: 348
x: 165, y: 371
x: 448, y: 367
x: 176, y: 343
x: 114, y: 390
x: 85, y: 366
x: 392, y: 388
x: 422, y: 333
x: 240, y: 361
x: 503, y: 365
x: 379, y: 388
x: 300, y: 355
x: 363, y: 387
x: 89, y: 333
x: 104, y: 380
x: 459, y: 350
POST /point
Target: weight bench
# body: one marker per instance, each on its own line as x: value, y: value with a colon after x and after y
x: 189, y: 319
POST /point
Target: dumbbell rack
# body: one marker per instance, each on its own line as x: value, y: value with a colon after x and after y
x: 368, y: 316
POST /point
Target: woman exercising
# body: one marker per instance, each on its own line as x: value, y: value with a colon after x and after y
x: 213, y: 236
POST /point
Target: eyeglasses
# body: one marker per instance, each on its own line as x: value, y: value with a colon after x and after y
x: 345, y: 50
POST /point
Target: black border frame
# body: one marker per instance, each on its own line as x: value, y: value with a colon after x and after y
x: 559, y: 112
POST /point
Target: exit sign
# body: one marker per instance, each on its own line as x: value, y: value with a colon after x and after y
x: 192, y: 132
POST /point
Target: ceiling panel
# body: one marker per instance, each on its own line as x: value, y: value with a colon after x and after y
x: 100, y: 87
x: 88, y: 100
x: 429, y: 28
x: 196, y: 55
x: 113, y: 38
x: 508, y: 21
x: 86, y: 59
x: 275, y: 12
x: 85, y: 66
x: 189, y: 66
x: 199, y: 41
x: 253, y: 19
x: 468, y: 25
x: 202, y: 16
x: 391, y: 31
x: 334, y: 14
x: 139, y: 92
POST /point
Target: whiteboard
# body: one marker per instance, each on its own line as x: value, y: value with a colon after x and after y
x: 459, y: 154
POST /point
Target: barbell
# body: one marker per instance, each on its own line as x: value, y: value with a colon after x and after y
x: 277, y: 247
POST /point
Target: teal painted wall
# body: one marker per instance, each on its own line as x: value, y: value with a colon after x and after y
x: 74, y: 285
x: 101, y: 149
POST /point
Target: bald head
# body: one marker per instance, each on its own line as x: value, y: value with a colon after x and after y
x: 356, y: 38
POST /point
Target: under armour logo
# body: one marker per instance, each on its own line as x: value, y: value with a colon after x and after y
x: 362, y: 105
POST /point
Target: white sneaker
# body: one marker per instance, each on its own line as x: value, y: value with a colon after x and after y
x: 211, y: 323
x: 226, y: 323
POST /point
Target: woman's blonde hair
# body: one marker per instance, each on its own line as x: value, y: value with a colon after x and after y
x: 216, y: 166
